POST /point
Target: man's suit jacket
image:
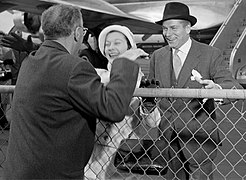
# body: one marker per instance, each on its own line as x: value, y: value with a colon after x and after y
x: 186, y: 116
x: 55, y: 105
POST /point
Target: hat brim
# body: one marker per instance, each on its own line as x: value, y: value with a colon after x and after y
x: 191, y: 19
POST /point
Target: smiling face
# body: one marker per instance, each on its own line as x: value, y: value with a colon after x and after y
x: 115, y: 45
x: 176, y: 32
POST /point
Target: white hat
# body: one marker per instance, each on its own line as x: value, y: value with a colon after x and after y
x: 124, y: 30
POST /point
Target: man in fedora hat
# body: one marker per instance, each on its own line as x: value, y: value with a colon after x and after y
x: 188, y: 124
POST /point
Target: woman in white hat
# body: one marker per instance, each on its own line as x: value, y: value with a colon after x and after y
x: 113, y: 41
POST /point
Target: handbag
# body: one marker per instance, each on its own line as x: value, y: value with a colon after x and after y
x: 142, y: 156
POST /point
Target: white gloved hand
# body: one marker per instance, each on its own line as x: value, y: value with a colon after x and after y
x: 133, y: 54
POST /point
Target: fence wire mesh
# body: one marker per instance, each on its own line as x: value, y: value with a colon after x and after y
x: 165, y: 143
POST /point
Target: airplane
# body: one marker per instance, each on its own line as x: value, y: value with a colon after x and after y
x: 96, y: 13
x: 209, y: 13
x: 138, y: 15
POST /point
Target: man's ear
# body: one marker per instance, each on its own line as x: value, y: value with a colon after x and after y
x: 188, y: 29
x: 77, y: 34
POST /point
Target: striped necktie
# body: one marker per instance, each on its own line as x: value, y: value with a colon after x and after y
x: 177, y: 64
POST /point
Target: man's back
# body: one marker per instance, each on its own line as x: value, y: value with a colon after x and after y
x: 42, y: 106
x: 55, y: 105
x: 58, y: 97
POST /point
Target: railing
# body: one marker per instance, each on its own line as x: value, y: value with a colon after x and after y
x: 227, y: 29
x: 229, y: 163
x: 237, y: 58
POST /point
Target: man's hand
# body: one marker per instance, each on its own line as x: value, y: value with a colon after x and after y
x: 17, y: 43
x: 133, y: 54
x: 209, y: 84
x: 149, y: 102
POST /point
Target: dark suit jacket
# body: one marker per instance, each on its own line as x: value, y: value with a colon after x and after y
x: 55, y: 105
x: 186, y: 117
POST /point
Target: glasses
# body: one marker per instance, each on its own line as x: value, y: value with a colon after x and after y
x: 84, y: 30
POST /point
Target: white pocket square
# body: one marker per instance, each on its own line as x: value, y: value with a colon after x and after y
x: 195, y: 75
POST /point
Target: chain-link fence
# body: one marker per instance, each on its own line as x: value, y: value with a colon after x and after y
x: 177, y: 137
x: 5, y: 97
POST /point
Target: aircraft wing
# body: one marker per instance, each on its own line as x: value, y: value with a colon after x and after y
x: 96, y: 13
x: 209, y: 13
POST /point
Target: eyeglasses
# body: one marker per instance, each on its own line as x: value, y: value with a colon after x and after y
x: 84, y: 30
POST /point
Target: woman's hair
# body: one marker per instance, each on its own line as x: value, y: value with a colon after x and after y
x: 32, y: 22
x: 129, y: 46
x: 60, y: 20
x: 2, y: 33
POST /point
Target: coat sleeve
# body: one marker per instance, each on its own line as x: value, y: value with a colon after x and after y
x: 220, y: 73
x: 93, y: 99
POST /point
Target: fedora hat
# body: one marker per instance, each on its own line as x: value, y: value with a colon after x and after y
x: 177, y: 10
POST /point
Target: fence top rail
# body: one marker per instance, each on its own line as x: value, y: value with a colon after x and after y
x: 172, y: 92
x: 7, y: 88
x: 191, y: 93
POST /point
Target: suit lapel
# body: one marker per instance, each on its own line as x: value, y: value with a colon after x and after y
x: 190, y: 63
x: 165, y: 67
